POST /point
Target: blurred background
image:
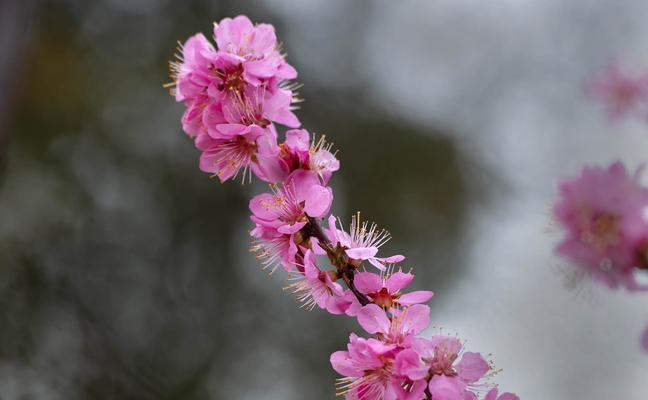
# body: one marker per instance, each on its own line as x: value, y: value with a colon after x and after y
x: 125, y: 271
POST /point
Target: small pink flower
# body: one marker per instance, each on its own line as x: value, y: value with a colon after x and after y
x: 297, y: 153
x: 602, y: 213
x: 401, y: 328
x: 225, y: 157
x: 316, y: 287
x: 492, y: 395
x: 191, y: 73
x: 620, y: 91
x: 279, y: 216
x: 363, y: 242
x: 384, y: 290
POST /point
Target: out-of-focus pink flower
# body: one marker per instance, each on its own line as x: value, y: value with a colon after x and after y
x: 644, y: 340
x: 316, y: 287
x: 620, y: 91
x: 384, y: 290
x: 362, y: 243
x: 454, y: 375
x: 602, y: 213
x: 400, y: 329
x: 367, y: 369
x: 279, y: 216
x: 492, y: 395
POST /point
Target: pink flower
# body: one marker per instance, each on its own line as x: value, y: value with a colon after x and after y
x: 602, y: 213
x: 367, y: 367
x: 492, y: 395
x: 384, y: 289
x: 449, y: 379
x: 316, y: 287
x: 363, y: 242
x: 279, y: 216
x: 191, y: 73
x: 250, y: 74
x: 253, y: 46
x: 620, y: 91
x: 400, y: 329
x: 227, y: 155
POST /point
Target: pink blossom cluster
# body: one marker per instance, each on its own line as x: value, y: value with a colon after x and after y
x: 603, y: 216
x: 622, y: 92
x: 234, y: 95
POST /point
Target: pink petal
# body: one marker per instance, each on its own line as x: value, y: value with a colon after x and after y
x: 472, y: 367
x: 415, y: 319
x: 332, y: 231
x: 302, y: 181
x: 318, y: 201
x: 397, y: 281
x: 286, y: 71
x: 229, y: 33
x: 491, y: 395
x: 408, y: 363
x: 508, y: 396
x: 297, y: 139
x: 232, y: 130
x: 393, y: 259
x: 343, y: 364
x: 445, y: 388
x: 260, y: 205
x: 353, y: 304
x: 264, y: 41
x: 362, y: 253
x: 419, y: 296
x: 367, y: 282
x: 277, y: 108
x: 261, y: 68
x: 376, y: 263
x: 288, y: 118
x: 290, y: 229
x: 373, y: 319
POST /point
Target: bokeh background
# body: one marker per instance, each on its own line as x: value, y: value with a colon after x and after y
x: 124, y: 270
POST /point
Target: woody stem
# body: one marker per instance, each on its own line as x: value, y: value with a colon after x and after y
x: 345, y: 270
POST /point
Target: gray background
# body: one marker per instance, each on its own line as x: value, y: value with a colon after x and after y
x: 124, y: 270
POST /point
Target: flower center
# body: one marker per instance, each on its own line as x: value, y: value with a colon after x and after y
x: 442, y: 362
x: 603, y: 231
x: 382, y: 298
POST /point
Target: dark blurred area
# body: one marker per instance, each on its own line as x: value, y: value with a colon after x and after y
x: 124, y: 270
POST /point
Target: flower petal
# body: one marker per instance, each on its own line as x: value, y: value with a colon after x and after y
x: 367, y: 282
x: 362, y: 253
x: 415, y: 318
x: 419, y: 296
x: 373, y: 319
x: 445, y: 388
x: 318, y: 201
x: 472, y: 367
x: 397, y: 281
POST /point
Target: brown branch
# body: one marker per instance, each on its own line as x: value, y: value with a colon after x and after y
x: 337, y: 257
